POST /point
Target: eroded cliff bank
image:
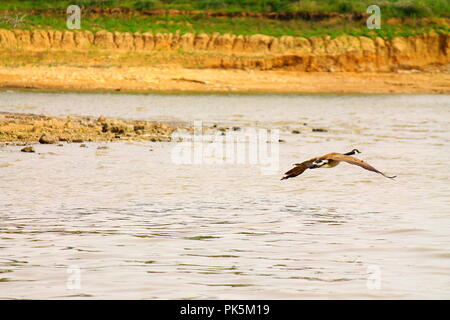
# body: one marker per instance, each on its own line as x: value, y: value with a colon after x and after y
x: 125, y: 62
x: 342, y: 54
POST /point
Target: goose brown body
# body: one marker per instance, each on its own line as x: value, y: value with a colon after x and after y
x: 330, y: 160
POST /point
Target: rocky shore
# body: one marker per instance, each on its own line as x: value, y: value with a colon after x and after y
x: 22, y: 129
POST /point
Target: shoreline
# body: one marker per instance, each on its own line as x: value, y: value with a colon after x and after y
x: 28, y: 128
x: 212, y: 63
x: 179, y: 80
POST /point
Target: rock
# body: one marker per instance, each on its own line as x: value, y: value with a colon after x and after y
x: 138, y: 128
x: 105, y: 127
x: 28, y: 149
x: 83, y: 145
x: 45, y: 139
x: 77, y: 140
x: 295, y: 132
x: 319, y: 130
x: 102, y: 118
x: 119, y: 129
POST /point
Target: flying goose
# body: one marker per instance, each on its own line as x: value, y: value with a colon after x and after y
x: 330, y: 160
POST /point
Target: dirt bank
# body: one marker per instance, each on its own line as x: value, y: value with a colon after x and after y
x: 104, y: 61
x: 345, y: 53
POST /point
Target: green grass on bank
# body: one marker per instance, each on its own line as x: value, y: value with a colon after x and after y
x: 399, y: 18
x: 390, y: 8
x: 222, y: 25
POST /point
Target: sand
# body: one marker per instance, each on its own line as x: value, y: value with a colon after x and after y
x: 176, y: 79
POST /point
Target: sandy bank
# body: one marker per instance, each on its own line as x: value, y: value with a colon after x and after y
x: 182, y: 80
x: 104, y: 61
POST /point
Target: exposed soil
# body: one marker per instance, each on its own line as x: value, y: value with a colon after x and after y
x: 317, y: 54
x: 183, y: 80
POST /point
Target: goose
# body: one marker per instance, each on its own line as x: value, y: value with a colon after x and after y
x: 330, y: 160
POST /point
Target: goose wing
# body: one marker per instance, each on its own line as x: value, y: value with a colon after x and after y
x: 357, y: 162
x: 298, y: 169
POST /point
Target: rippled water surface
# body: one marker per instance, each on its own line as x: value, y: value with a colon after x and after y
x: 139, y: 226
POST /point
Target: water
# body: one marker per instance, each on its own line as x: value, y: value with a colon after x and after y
x: 141, y: 227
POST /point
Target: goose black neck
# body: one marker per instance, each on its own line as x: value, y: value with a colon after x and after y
x: 354, y: 151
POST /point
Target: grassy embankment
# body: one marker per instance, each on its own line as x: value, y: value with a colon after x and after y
x: 400, y: 18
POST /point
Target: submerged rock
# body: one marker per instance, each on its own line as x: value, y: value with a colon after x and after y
x: 28, y: 149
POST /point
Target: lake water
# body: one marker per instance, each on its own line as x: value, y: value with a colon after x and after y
x: 127, y: 222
